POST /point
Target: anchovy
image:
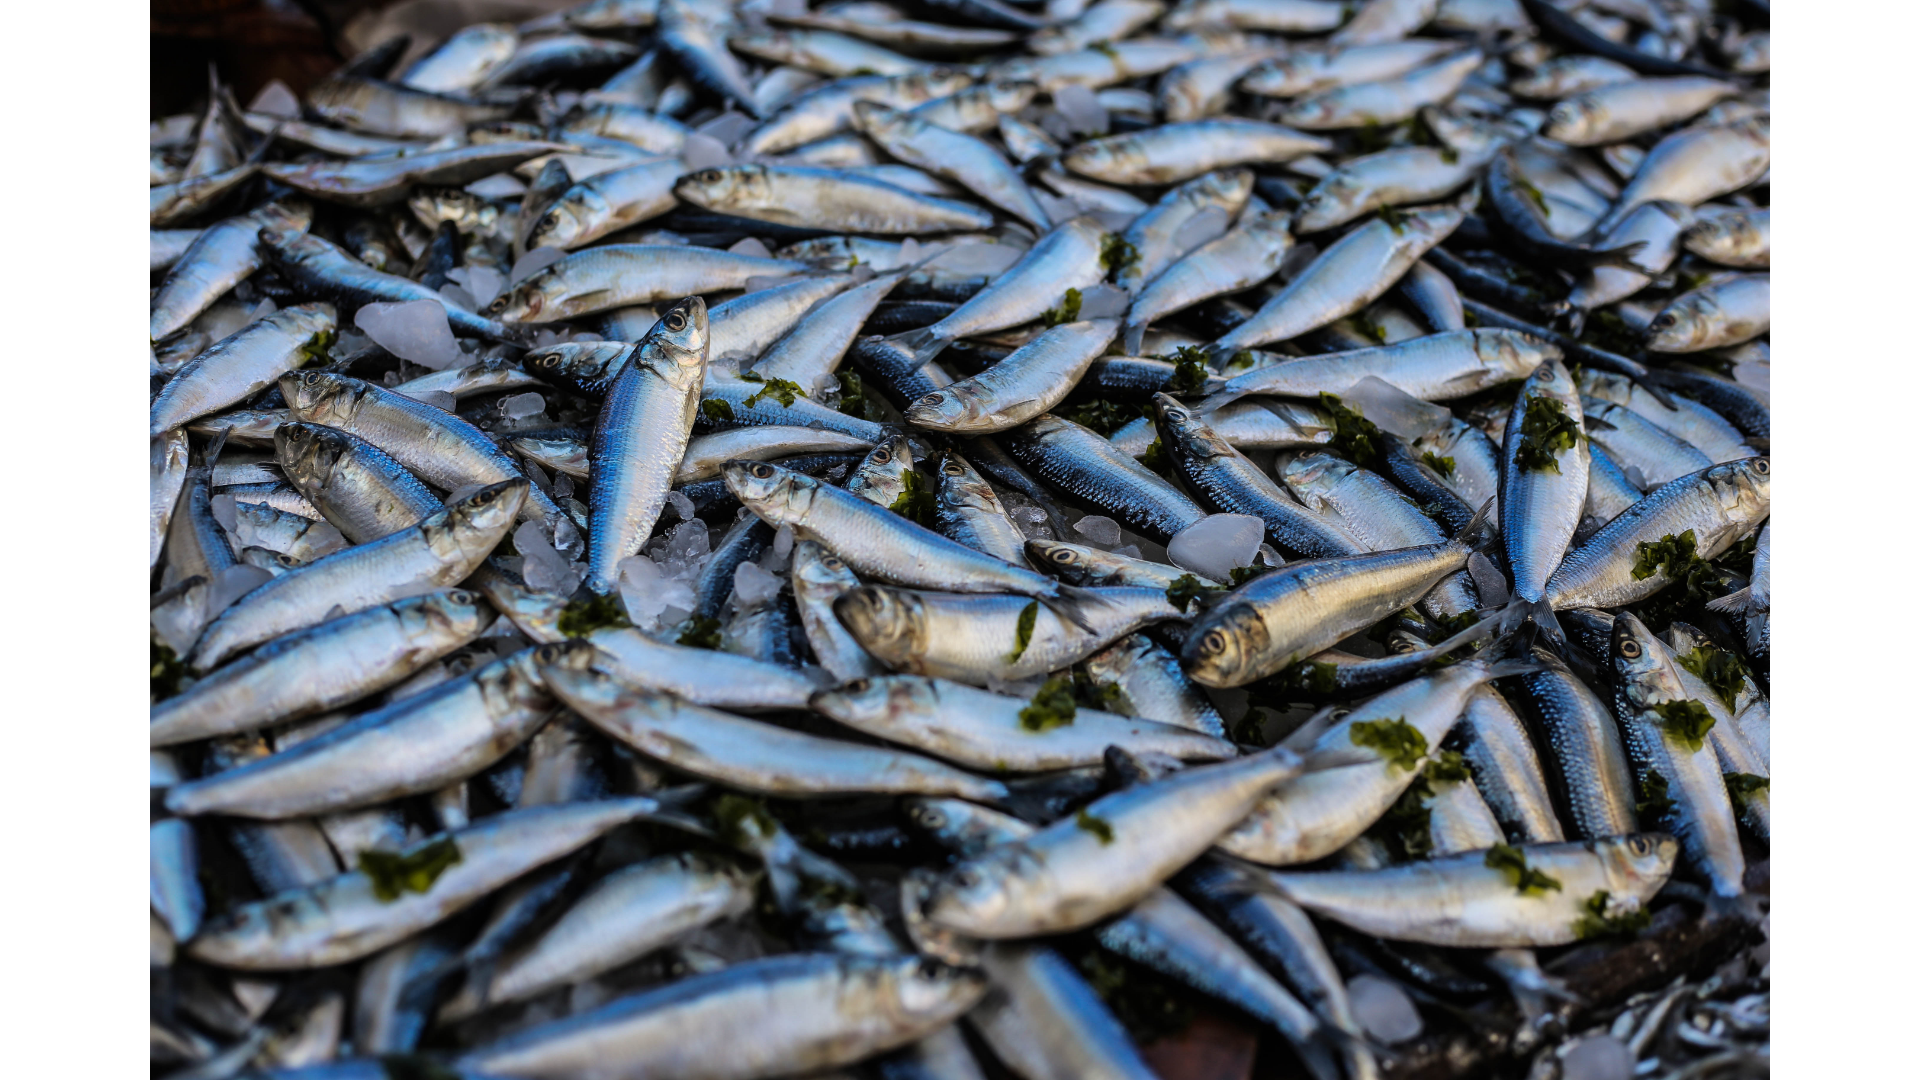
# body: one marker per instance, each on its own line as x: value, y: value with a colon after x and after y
x: 706, y: 454
x: 1091, y: 567
x: 962, y: 158
x: 1506, y: 769
x: 700, y: 676
x: 1043, y: 1019
x: 1068, y: 257
x: 967, y: 510
x: 1624, y: 563
x: 242, y: 364
x: 881, y: 477
x: 1092, y: 471
x: 355, y: 485
x: 1170, y: 153
x: 728, y: 403
x: 463, y: 61
x: 1378, y: 517
x: 171, y: 204
x: 1396, y: 177
x: 617, y: 275
x: 1649, y: 455
x: 1685, y: 419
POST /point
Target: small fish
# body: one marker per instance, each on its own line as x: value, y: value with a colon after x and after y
x: 616, y: 275
x: 1095, y: 473
x: 242, y: 364
x: 962, y: 158
x: 1170, y: 153
x: 1713, y: 316
x: 605, y: 203
x: 1028, y: 382
x: 355, y: 485
x: 1625, y: 562
x: 825, y: 199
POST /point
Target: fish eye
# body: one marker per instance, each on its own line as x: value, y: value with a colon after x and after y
x: 552, y: 220
x: 831, y: 562
x: 310, y: 378
x: 952, y: 468
x: 1640, y: 845
x: 676, y: 322
x: 1760, y: 466
x: 932, y: 399
x: 710, y: 176
x: 1630, y: 649
x: 858, y: 686
x: 761, y: 470
x: 460, y: 596
x: 1061, y: 555
x: 1214, y: 641
x: 1177, y: 416
x: 929, y: 817
x: 881, y: 456
x: 498, y: 305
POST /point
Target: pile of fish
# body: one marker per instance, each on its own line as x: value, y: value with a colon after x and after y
x: 936, y: 538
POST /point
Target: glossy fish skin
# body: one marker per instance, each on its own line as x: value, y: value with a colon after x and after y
x: 701, y: 676
x: 328, y: 666
x: 1025, y: 384
x: 171, y: 204
x: 1068, y: 257
x: 969, y: 639
x: 1151, y: 684
x: 417, y: 744
x: 699, y: 47
x: 1460, y: 901
x: 1438, y: 367
x: 1387, y: 101
x: 464, y: 60
x: 1702, y: 816
x: 1171, y: 153
x: 967, y: 510
x: 1719, y: 504
x: 240, y: 365
x: 881, y: 478
x: 1315, y: 68
x: 340, y: 920
x: 806, y: 1012
x: 606, y: 203
x: 1092, y: 567
x: 750, y: 755
x: 432, y: 444
x: 1732, y: 237
x: 481, y: 376
x: 825, y: 199
x: 640, y: 437
x: 1693, y: 165
x: 1714, y: 316
x: 584, y: 368
x: 1188, y: 215
x: 1656, y: 225
x: 767, y: 409
x: 312, y: 264
x: 1378, y: 517
x: 1609, y: 493
x: 1090, y: 470
x: 1287, y: 615
x: 1425, y: 483
x: 874, y: 541
x: 809, y: 354
x: 1231, y: 484
x: 383, y: 108
x: 650, y: 131
x: 1619, y: 111
x: 214, y: 261
x: 965, y: 159
x: 1067, y: 875
x: 1507, y: 771
x: 622, y: 917
x: 355, y: 485
x: 166, y: 246
x: 1649, y: 455
x: 1202, y: 88
x: 705, y: 454
x: 741, y: 329
x: 1246, y: 255
x: 977, y: 109
x: 369, y: 182
x: 1043, y: 1018
x: 437, y: 553
x: 1571, y: 74
x: 1731, y: 747
x: 1747, y: 409
x: 618, y: 275
x: 167, y: 473
x: 983, y: 730
x: 1396, y: 177
x: 1536, y: 222
x: 1260, y: 424
x: 1586, y: 765
x: 1540, y: 508
x: 1355, y: 271
x: 828, y: 110
x: 820, y: 578
x: 1433, y: 297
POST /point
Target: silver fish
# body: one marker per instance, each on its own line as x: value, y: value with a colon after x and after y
x: 701, y: 676
x: 616, y: 275
x: 828, y: 110
x: 1506, y: 770
x: 1246, y: 255
x: 464, y: 60
x: 809, y: 354
x: 605, y: 203
x: 819, y: 578
x: 1619, y: 111
x: 1068, y: 257
x: 356, y: 486
x: 382, y: 108
x: 1731, y: 236
x: 378, y: 181
x: 217, y: 258
x: 1543, y: 482
x: 167, y: 473
x: 1693, y: 165
x: 1386, y: 101
x: 967, y: 509
x: 1170, y: 153
x: 1717, y: 506
x: 962, y: 158
x: 1397, y: 177
x: 1028, y: 382
x: 741, y: 329
x: 1147, y: 681
x: 825, y: 199
x: 1714, y: 316
x: 242, y: 364
x: 1438, y: 367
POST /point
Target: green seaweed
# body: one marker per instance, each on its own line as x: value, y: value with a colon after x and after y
x: 1312, y: 677
x: 855, y: 400
x: 700, y: 632
x: 1533, y: 194
x: 582, y: 617
x: 1098, y: 826
x: 717, y: 410
x: 314, y: 351
x: 1148, y: 1005
x: 1595, y: 921
x: 168, y: 670
x: 1052, y: 706
x: 915, y: 501
x: 1240, y: 575
x: 734, y: 813
x: 1743, y: 786
x: 1190, y: 371
x: 1654, y: 802
x: 1103, y: 416
x: 1117, y: 255
x: 412, y: 871
x: 1241, y: 360
x: 1353, y: 434
x: 1023, y: 631
x: 1722, y: 671
x: 1068, y: 311
x: 1673, y: 555
x: 1447, y: 767
x: 1545, y: 430
x: 1512, y: 862
x: 1441, y: 465
x: 1686, y: 722
x: 1188, y: 589
x: 781, y: 390
x: 414, y: 1067
x: 1155, y: 459
x: 1399, y: 742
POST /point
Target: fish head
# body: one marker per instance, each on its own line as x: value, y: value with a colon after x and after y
x: 1332, y: 200
x: 975, y: 896
x: 570, y: 364
x: 537, y: 299
x: 961, y: 486
x: 1743, y: 487
x: 934, y: 82
x: 776, y: 493
x: 1011, y: 95
x: 1642, y: 664
x: 1311, y: 476
x: 1682, y: 325
x: 433, y: 205
x: 1313, y: 112
x: 308, y: 452
x: 1111, y: 664
x: 321, y: 397
x: 1575, y: 119
x: 490, y: 510
x: 1073, y: 562
x: 727, y: 187
x: 929, y: 990
x: 680, y: 336
x: 292, y: 214
x: 457, y: 613
x: 1512, y: 354
x: 1225, y: 648
x: 566, y: 221
x: 1638, y: 864
x: 881, y: 119
x: 947, y: 407
x: 1106, y: 156
x: 887, y: 622
x: 893, y: 700
x: 820, y: 568
x: 1187, y: 435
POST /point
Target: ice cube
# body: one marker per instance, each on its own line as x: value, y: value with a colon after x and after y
x: 1125, y: 99
x: 439, y: 399
x: 532, y: 263
x: 1103, y: 301
x: 644, y: 590
x: 1487, y: 578
x: 1395, y: 410
x: 1081, y: 108
x: 702, y: 151
x: 1101, y: 532
x: 1384, y: 1009
x: 545, y: 570
x: 727, y: 128
x: 520, y: 406
x: 751, y: 245
x: 414, y: 330
x: 274, y: 99
x: 1600, y: 1057
x: 1031, y: 521
x: 1217, y: 544
x: 457, y: 295
x: 753, y: 586
x: 1130, y: 551
x: 233, y: 583
x: 484, y: 283
x: 261, y: 310
x: 1202, y: 227
x: 680, y: 505
x: 225, y: 513
x: 498, y: 186
x: 1756, y: 374
x: 566, y: 535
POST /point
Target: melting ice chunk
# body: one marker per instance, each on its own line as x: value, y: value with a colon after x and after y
x: 414, y: 330
x: 1383, y: 1009
x: 1217, y: 544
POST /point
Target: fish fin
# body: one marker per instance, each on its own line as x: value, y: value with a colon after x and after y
x: 1657, y: 392
x: 1302, y: 738
x: 1481, y: 629
x: 1070, y: 603
x: 1481, y: 531
x: 1620, y: 258
x: 1506, y: 669
x: 1216, y: 400
x: 923, y: 343
x: 1732, y: 602
x: 1132, y: 336
x: 1519, y: 613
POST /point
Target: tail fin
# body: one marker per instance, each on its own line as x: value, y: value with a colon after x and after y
x: 1482, y: 629
x: 1132, y: 336
x: 1481, y: 531
x: 1519, y: 613
x: 1732, y: 602
x: 1506, y: 669
x: 1620, y: 258
x: 923, y: 343
x: 1071, y: 603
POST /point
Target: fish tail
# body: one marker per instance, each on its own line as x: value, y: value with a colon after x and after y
x: 1215, y: 401
x: 1480, y: 531
x: 1483, y: 629
x: 1132, y: 336
x: 1732, y: 602
x: 1620, y: 258
x: 1316, y: 1054
x: 1521, y: 613
x: 1071, y: 603
x: 923, y: 343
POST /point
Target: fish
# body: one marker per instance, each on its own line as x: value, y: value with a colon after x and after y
x: 214, y: 260
x: 606, y: 203
x: 1730, y: 236
x: 240, y: 365
x: 1582, y: 756
x: 1244, y: 256
x: 825, y: 198
x: 1543, y: 485
x: 827, y: 110
x: 355, y: 485
x: 384, y: 108
x: 965, y: 159
x: 808, y: 354
x: 1714, y: 316
x: 1028, y: 382
x: 370, y: 181
x: 1383, y: 101
x: 1696, y: 164
x: 617, y: 275
x: 1068, y: 257
x: 1092, y: 471
x: 1626, y: 562
x: 1171, y: 153
x: 330, y: 272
